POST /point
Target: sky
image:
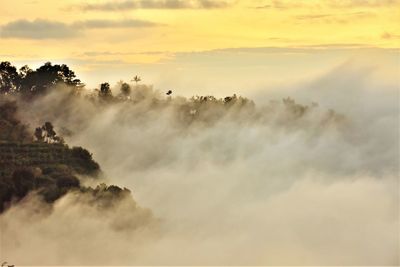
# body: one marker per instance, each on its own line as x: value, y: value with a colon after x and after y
x: 169, y: 42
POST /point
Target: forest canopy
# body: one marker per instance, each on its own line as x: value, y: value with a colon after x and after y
x: 31, y: 82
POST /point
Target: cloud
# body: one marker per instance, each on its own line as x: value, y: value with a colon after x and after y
x: 46, y: 29
x: 155, y: 4
x: 387, y: 35
x: 37, y: 29
x: 362, y: 3
x: 349, y: 17
x: 101, y: 23
x: 108, y: 53
x: 317, y: 16
x: 341, y: 46
x: 281, y: 4
x: 274, y: 189
x: 309, y: 49
x: 278, y: 4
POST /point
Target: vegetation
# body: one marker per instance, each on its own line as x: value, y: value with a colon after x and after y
x: 39, y: 161
x: 31, y: 83
x: 47, y: 134
x: 43, y: 164
x: 11, y: 129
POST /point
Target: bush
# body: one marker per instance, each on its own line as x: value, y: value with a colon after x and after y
x: 23, y: 180
x: 68, y: 181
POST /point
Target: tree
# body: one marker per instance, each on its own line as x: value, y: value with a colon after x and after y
x: 136, y: 79
x: 46, y: 76
x: 84, y: 159
x: 11, y: 128
x: 24, y: 181
x: 105, y: 91
x: 67, y: 181
x: 24, y: 71
x: 125, y: 89
x: 39, y: 134
x: 9, y: 78
x: 48, y: 128
x: 47, y: 134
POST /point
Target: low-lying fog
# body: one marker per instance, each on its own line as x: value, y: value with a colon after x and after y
x: 274, y: 184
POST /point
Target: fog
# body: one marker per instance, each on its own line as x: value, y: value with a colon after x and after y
x: 312, y: 180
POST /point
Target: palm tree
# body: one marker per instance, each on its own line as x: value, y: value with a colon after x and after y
x: 136, y: 79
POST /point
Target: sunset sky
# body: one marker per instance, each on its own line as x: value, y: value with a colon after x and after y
x: 159, y: 39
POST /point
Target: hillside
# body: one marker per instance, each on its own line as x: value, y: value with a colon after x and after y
x: 46, y: 157
x: 42, y: 164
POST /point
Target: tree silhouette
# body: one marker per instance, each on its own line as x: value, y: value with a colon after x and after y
x: 125, y: 89
x: 136, y: 79
x: 105, y: 91
x: 24, y: 182
x: 49, y: 129
x: 11, y: 128
x: 35, y: 82
x: 47, y: 134
x: 9, y: 78
x: 24, y: 71
x: 47, y: 76
x: 39, y: 134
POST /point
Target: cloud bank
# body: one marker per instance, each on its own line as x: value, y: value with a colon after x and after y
x: 46, y: 29
x: 284, y: 4
x: 284, y: 182
x: 155, y: 4
x: 37, y: 29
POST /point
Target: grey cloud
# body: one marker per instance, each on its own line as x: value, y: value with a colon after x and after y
x: 37, y: 29
x: 281, y: 4
x: 361, y: 3
x: 336, y: 18
x: 46, y: 29
x: 108, y: 53
x: 343, y: 46
x: 292, y: 49
x: 308, y: 17
x: 155, y: 4
x: 278, y: 4
x: 100, y: 23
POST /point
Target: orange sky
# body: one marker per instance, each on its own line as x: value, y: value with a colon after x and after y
x: 134, y: 33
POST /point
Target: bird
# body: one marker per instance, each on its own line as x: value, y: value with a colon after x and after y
x: 169, y: 92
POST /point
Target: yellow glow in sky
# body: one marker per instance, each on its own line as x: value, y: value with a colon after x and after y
x: 132, y: 34
x: 104, y: 28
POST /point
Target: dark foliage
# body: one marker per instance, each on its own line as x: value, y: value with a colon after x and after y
x: 11, y: 129
x: 67, y: 181
x: 10, y: 80
x: 23, y: 181
x: 105, y: 91
x: 84, y: 160
x: 50, y: 168
x: 47, y: 134
x: 46, y: 166
x: 51, y: 184
x: 30, y: 82
x: 125, y: 89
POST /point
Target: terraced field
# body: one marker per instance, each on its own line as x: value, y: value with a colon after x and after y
x: 43, y: 155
